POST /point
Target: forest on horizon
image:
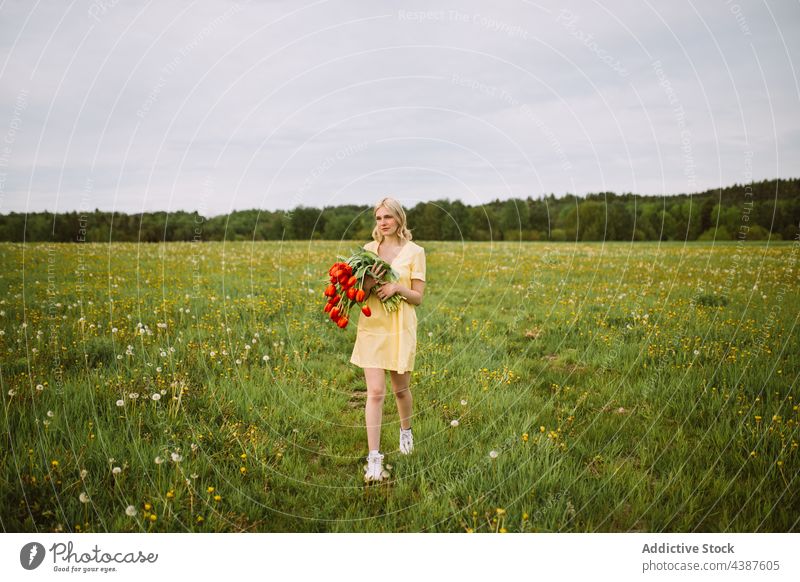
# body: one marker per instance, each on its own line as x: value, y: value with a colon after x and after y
x: 753, y: 211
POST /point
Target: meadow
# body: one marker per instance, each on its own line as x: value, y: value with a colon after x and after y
x: 558, y: 387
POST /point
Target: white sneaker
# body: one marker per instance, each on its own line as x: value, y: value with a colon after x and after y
x: 406, y: 441
x: 374, y: 470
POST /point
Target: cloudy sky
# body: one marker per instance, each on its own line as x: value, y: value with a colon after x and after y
x: 214, y: 105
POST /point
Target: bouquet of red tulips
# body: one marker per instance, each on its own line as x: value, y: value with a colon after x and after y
x: 346, y: 287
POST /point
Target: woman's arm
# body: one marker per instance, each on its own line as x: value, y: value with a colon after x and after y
x: 413, y: 295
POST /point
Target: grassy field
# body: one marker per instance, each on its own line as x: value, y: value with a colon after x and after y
x: 597, y: 387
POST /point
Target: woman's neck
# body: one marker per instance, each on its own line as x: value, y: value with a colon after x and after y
x: 392, y: 240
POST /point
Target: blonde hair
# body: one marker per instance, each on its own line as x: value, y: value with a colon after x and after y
x: 396, y: 210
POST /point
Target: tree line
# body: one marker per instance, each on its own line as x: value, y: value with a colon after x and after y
x: 753, y: 211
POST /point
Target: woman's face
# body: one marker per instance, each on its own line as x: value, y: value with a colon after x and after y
x: 387, y: 223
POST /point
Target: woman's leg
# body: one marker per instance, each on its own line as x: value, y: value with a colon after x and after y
x: 402, y: 393
x: 376, y: 391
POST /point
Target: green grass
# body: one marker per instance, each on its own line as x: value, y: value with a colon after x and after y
x: 623, y: 387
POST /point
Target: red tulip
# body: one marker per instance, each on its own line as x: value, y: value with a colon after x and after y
x: 328, y: 307
x: 351, y: 294
x: 334, y: 313
x: 360, y: 295
x: 342, y: 322
x: 330, y: 291
x: 352, y: 281
x: 366, y: 310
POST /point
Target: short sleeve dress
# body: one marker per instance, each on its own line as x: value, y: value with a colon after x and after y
x: 389, y: 340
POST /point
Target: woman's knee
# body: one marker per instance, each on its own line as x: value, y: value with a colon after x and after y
x: 401, y: 384
x: 376, y: 395
x: 376, y: 385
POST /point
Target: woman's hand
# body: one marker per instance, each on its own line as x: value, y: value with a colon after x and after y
x: 387, y: 290
x: 372, y: 277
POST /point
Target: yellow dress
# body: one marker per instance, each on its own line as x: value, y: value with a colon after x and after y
x: 389, y: 340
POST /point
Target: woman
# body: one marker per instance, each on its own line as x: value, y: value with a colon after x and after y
x: 388, y: 341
